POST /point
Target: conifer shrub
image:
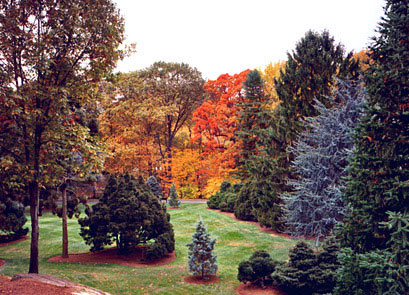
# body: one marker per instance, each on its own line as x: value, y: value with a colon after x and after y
x: 215, y: 200
x: 230, y: 197
x: 129, y: 215
x: 12, y: 219
x: 307, y: 272
x: 173, y: 197
x: 243, y: 208
x: 258, y: 269
x: 202, y: 261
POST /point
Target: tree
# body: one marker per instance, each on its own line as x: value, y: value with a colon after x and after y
x: 257, y: 199
x: 178, y: 91
x: 128, y: 123
x: 51, y: 53
x: 257, y: 269
x: 155, y: 187
x: 187, y: 167
x: 308, y: 76
x: 380, y: 166
x: 377, y: 186
x: 321, y: 155
x: 380, y: 271
x: 129, y: 215
x: 173, y: 197
x: 270, y: 73
x: 251, y: 119
x: 202, y: 261
x: 216, y: 123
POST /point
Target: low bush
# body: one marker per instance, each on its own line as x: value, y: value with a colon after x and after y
x: 258, y: 269
x: 306, y: 272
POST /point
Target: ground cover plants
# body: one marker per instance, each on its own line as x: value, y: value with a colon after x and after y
x: 235, y: 239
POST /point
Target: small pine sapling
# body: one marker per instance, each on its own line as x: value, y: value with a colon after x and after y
x: 154, y: 186
x: 202, y: 262
x: 173, y: 197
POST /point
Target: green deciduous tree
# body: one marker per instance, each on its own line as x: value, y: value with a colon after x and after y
x: 51, y: 53
x: 177, y: 90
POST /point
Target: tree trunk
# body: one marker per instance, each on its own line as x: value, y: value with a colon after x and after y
x: 64, y: 222
x: 34, y: 194
x: 34, y: 206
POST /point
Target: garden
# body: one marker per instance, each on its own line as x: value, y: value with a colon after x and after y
x: 236, y: 240
x: 303, y: 164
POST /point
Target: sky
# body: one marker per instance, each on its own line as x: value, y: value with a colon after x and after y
x: 229, y: 36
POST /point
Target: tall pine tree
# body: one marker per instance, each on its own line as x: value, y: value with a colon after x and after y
x: 256, y: 199
x: 379, y: 173
x: 250, y: 121
x: 375, y: 234
x: 308, y: 76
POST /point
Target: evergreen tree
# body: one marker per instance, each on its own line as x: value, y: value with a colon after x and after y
x: 321, y: 151
x: 250, y: 120
x: 380, y: 167
x: 173, y: 197
x: 307, y: 272
x: 154, y: 186
x: 377, y: 188
x: 129, y: 215
x: 257, y: 199
x: 308, y: 76
x: 12, y: 218
x: 230, y: 197
x: 202, y: 261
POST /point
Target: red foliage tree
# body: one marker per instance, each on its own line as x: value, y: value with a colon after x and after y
x: 216, y: 119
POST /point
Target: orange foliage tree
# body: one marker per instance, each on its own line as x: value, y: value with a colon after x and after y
x: 364, y: 59
x: 127, y: 126
x: 215, y: 129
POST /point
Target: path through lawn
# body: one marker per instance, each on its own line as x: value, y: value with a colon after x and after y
x: 236, y: 241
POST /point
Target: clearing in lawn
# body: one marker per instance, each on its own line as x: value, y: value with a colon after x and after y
x: 236, y: 241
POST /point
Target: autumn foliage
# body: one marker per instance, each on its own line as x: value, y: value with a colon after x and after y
x: 216, y: 125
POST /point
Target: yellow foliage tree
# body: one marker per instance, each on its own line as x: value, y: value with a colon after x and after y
x: 271, y: 72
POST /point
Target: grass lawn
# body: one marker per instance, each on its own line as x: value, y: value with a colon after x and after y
x: 236, y: 241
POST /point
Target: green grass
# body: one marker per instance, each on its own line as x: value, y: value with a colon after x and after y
x: 236, y: 241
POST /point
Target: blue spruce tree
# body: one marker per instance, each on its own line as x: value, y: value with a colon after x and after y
x: 154, y: 186
x: 316, y: 205
x: 202, y: 262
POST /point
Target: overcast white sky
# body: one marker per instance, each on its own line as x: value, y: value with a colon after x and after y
x: 229, y: 36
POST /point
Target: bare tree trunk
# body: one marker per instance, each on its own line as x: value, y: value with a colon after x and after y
x: 64, y: 222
